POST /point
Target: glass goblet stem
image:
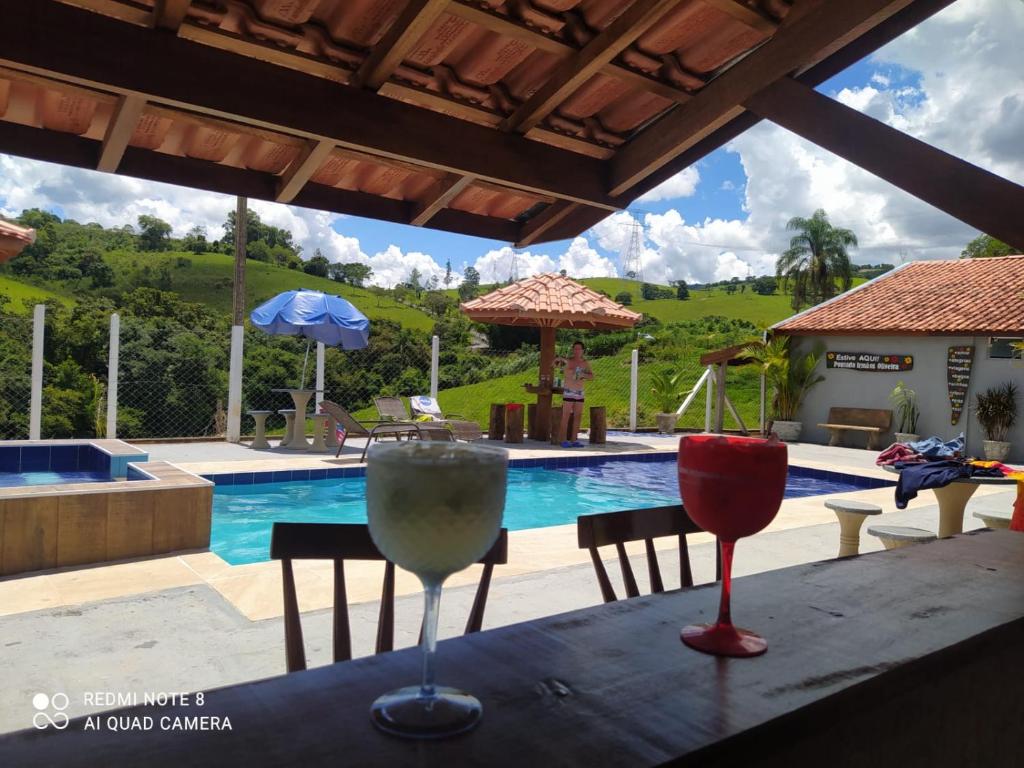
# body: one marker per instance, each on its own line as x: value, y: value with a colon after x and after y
x: 724, y: 611
x: 432, y: 603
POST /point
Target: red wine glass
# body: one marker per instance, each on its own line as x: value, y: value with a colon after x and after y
x: 731, y: 487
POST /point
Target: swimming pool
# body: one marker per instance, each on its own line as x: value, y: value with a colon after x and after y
x: 539, y: 495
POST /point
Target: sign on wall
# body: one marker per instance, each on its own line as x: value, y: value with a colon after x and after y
x: 868, y: 361
x: 958, y: 379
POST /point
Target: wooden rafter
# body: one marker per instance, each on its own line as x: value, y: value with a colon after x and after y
x: 119, y: 132
x: 169, y: 14
x: 410, y: 26
x: 534, y: 229
x: 580, y: 67
x: 299, y: 171
x: 820, y: 31
x: 973, y: 195
x: 223, y: 84
x: 503, y: 25
x: 438, y: 196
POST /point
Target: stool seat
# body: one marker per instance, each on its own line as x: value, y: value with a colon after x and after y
x: 259, y: 440
x: 851, y: 514
x: 851, y: 505
x: 895, y: 536
x: 995, y: 518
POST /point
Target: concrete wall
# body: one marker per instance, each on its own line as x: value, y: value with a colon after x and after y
x: 864, y: 389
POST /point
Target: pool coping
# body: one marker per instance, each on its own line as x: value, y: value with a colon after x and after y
x: 307, y: 474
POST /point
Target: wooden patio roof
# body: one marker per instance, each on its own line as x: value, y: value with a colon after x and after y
x: 518, y: 120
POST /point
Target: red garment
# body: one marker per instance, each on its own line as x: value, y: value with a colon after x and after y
x: 898, y: 452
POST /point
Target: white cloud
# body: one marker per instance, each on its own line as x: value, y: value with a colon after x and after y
x: 728, y: 185
x: 579, y: 261
x: 683, y: 184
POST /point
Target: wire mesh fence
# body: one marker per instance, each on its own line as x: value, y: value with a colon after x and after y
x: 16, y: 380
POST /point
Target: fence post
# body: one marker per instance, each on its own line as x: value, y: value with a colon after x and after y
x: 435, y: 356
x: 234, y: 427
x: 113, y: 353
x: 707, y: 399
x: 35, y: 412
x: 320, y: 351
x: 634, y: 377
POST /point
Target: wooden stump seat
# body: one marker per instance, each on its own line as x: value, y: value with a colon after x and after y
x: 872, y: 421
x: 598, y: 425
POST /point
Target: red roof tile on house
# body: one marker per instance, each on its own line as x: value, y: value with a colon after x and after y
x: 14, y: 237
x: 965, y: 297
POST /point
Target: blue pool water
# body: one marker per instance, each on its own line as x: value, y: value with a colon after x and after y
x: 14, y: 479
x: 537, y: 497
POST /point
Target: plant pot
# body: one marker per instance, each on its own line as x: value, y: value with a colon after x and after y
x: 788, y: 431
x: 995, y: 450
x: 906, y: 437
x: 666, y: 422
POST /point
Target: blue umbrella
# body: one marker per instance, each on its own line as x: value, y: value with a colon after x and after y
x: 315, y: 315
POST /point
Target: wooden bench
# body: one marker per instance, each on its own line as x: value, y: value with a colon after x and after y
x: 873, y: 421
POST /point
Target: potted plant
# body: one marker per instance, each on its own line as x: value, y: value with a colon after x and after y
x: 996, y: 410
x: 665, y: 388
x: 904, y: 399
x: 790, y: 376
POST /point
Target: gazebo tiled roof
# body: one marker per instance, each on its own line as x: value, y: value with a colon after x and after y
x: 966, y: 297
x: 14, y: 237
x: 549, y: 300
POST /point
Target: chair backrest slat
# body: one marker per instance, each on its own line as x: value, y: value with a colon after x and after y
x: 622, y: 527
x: 392, y: 408
x: 345, y: 541
x: 343, y: 417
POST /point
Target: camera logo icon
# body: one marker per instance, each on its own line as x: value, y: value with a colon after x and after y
x: 50, y: 711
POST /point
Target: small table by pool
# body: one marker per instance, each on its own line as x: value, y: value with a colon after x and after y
x: 953, y: 500
x: 301, y: 399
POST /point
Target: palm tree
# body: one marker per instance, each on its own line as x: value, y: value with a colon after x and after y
x: 816, y: 259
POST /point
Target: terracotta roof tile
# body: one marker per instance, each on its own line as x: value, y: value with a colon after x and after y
x: 962, y: 297
x: 13, y: 238
x: 551, y: 300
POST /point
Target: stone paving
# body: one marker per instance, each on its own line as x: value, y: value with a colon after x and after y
x: 191, y: 621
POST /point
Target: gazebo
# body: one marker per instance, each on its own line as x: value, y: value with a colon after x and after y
x: 548, y: 302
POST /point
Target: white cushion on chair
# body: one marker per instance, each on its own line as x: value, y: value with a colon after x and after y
x: 427, y: 406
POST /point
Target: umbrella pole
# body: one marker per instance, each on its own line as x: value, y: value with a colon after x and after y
x: 547, y: 357
x: 305, y: 362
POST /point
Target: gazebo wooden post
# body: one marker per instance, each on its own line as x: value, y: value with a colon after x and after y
x: 547, y: 360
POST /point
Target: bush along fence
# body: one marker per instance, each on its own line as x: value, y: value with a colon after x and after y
x: 164, y: 372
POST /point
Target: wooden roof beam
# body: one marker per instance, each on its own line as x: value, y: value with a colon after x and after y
x: 438, y: 196
x: 407, y: 30
x: 823, y: 29
x: 225, y: 85
x: 496, y: 22
x: 977, y: 197
x: 301, y: 169
x: 533, y: 229
x: 169, y: 14
x: 580, y: 67
x: 123, y: 121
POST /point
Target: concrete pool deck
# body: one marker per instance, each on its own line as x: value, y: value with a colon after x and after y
x: 190, y: 620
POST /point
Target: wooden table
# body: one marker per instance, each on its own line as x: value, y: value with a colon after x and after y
x: 953, y: 498
x: 908, y: 657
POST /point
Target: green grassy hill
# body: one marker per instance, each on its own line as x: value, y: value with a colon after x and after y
x: 22, y: 296
x: 206, y: 278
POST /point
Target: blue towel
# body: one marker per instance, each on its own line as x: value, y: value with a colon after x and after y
x: 934, y: 474
x: 937, y: 448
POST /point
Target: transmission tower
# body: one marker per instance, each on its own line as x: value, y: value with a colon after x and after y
x: 632, y: 260
x: 513, y: 268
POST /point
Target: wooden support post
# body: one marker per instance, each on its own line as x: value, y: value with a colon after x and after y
x: 720, y: 398
x: 496, y: 426
x: 547, y: 359
x: 514, y: 423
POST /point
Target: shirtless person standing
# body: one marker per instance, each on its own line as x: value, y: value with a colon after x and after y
x: 577, y: 373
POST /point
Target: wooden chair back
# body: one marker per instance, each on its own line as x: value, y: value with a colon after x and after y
x: 351, y: 541
x: 344, y: 418
x: 391, y: 408
x: 618, y: 528
x: 879, y: 418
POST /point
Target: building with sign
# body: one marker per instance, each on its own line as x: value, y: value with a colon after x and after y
x: 946, y: 328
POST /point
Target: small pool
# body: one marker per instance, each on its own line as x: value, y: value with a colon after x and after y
x: 51, y: 462
x: 538, y: 496
x: 15, y: 479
